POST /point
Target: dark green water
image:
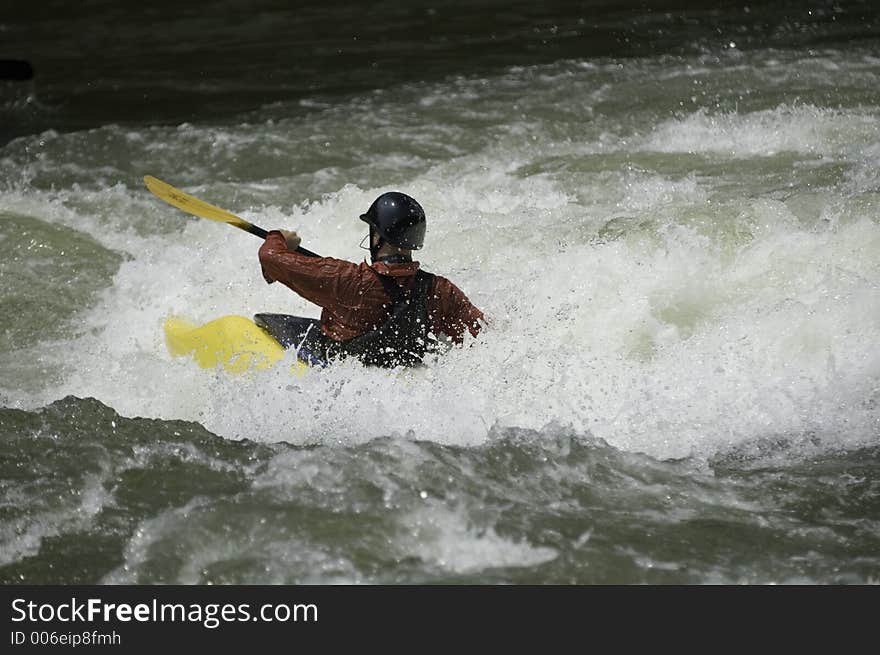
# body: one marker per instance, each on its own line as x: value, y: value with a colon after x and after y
x: 138, y: 500
x: 670, y: 212
x: 100, y: 62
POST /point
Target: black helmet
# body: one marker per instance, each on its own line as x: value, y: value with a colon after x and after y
x: 398, y: 219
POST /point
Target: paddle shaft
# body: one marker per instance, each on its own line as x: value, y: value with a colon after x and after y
x: 192, y: 205
x: 260, y: 232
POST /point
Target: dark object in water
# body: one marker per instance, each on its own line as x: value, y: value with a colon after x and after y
x: 16, y: 69
x: 304, y: 334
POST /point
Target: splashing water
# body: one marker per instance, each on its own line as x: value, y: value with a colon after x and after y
x: 681, y: 279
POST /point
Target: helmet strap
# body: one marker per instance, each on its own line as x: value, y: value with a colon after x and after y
x: 375, y: 247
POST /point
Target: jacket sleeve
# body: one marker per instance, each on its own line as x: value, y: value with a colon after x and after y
x: 454, y: 312
x: 317, y: 279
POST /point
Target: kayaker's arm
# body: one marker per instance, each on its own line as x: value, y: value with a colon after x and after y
x: 455, y: 314
x: 317, y: 279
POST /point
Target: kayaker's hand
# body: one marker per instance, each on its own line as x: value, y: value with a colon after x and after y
x: 292, y: 238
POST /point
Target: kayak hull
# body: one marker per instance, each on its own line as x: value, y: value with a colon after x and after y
x: 234, y: 342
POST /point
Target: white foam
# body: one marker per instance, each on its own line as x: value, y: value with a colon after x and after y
x: 445, y: 538
x: 700, y: 324
x: 274, y: 554
x: 23, y: 536
x: 801, y: 129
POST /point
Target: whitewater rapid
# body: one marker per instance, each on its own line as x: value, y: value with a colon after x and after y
x: 667, y: 265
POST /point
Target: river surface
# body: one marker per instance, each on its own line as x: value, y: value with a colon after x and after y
x: 671, y: 217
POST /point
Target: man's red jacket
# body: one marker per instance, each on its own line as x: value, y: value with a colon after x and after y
x: 352, y: 296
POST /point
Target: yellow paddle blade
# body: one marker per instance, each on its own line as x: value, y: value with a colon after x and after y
x: 192, y: 205
x: 235, y: 342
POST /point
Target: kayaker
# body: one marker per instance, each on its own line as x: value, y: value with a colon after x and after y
x: 386, y: 313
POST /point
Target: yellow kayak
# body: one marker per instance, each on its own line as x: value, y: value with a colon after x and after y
x: 235, y: 342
